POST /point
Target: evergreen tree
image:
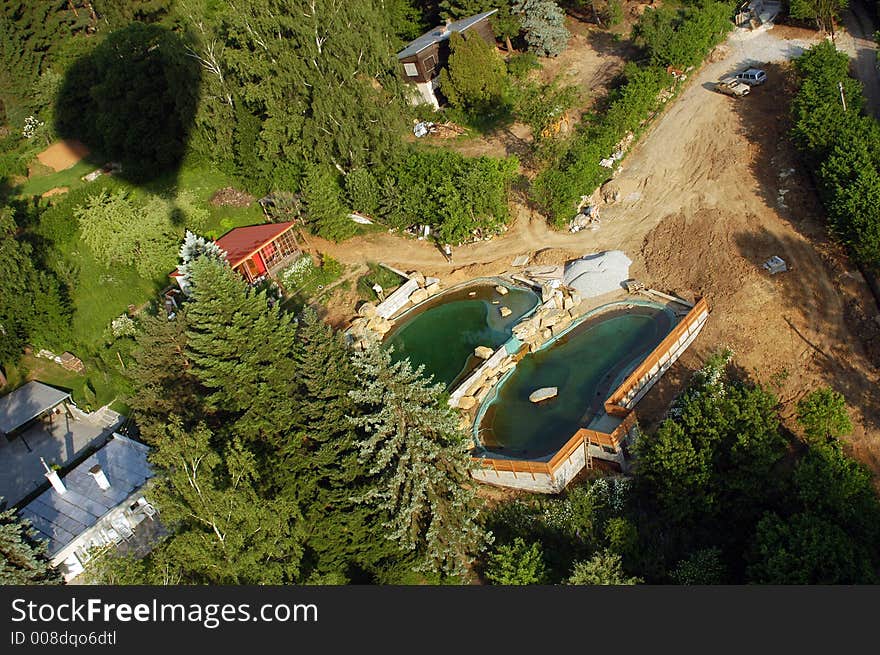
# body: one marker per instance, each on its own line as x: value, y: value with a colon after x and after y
x: 162, y: 375
x: 327, y: 215
x: 225, y: 531
x: 704, y: 567
x: 822, y: 415
x: 517, y: 564
x: 543, y: 23
x: 22, y: 557
x: 242, y: 351
x: 456, y: 9
x: 32, y: 309
x: 321, y: 466
x: 604, y: 568
x: 419, y: 461
x: 476, y: 77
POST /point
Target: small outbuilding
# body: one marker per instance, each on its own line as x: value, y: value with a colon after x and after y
x: 424, y: 58
x: 19, y: 409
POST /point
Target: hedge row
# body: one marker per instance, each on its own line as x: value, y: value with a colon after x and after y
x: 842, y: 148
x: 677, y: 37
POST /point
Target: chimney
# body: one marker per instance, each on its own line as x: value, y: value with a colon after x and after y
x: 52, y: 476
x: 99, y: 476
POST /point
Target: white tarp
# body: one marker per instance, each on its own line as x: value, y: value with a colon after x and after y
x: 593, y: 275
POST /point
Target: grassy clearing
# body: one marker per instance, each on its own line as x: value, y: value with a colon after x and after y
x: 377, y: 275
x: 70, y: 178
x: 104, y: 387
x: 312, y: 285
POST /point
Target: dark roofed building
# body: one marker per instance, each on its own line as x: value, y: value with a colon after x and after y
x: 96, y: 504
x: 424, y: 58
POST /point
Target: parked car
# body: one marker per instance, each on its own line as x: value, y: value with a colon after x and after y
x: 730, y: 86
x: 752, y: 76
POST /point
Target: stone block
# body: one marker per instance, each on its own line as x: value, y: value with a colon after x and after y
x: 467, y: 402
x: 367, y: 310
x: 505, y: 311
x: 483, y: 352
x: 501, y: 289
x: 417, y: 296
x: 546, y: 334
x: 433, y: 288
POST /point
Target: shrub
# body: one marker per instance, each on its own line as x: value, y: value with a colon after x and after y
x: 475, y: 80
x: 519, y: 64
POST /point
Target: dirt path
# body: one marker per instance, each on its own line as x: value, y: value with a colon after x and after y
x: 711, y: 192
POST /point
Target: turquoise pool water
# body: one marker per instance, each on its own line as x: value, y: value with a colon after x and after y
x: 443, y: 332
x: 586, y: 364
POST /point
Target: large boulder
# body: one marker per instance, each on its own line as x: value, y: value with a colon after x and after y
x: 467, y: 402
x: 544, y: 393
x: 483, y: 352
x: 367, y: 310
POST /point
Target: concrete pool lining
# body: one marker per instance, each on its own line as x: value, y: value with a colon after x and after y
x: 621, y: 375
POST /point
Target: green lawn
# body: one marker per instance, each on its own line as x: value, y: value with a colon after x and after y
x: 377, y: 275
x: 69, y: 178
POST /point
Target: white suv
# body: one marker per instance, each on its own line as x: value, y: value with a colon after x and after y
x: 752, y: 76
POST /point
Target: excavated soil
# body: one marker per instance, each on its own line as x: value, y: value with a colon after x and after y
x: 713, y: 190
x: 63, y: 154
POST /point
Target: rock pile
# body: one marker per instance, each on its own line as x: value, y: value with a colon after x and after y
x: 370, y: 325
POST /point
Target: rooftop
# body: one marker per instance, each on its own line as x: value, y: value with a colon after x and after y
x: 242, y: 242
x: 61, y: 518
x: 27, y: 403
x: 440, y: 33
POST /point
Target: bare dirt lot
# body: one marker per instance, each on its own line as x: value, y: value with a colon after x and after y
x: 63, y: 154
x: 712, y: 191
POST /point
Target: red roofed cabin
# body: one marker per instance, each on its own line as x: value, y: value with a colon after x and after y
x: 257, y: 251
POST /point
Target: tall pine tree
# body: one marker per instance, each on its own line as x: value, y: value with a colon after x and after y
x: 321, y: 459
x: 242, y: 352
x: 419, y: 462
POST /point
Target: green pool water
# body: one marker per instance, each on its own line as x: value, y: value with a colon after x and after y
x: 586, y: 364
x: 443, y: 332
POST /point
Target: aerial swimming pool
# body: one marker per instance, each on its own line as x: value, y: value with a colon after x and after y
x: 586, y: 363
x: 443, y: 332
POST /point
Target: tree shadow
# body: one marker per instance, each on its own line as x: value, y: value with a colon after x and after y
x: 132, y: 102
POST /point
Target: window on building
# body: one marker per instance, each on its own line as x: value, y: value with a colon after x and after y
x: 411, y: 70
x: 430, y: 65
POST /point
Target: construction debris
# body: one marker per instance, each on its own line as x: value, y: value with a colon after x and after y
x: 775, y: 265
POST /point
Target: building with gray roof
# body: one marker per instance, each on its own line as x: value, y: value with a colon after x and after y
x: 95, y: 505
x: 423, y: 58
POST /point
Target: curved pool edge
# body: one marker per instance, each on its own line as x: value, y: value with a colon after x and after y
x: 480, y: 451
x: 412, y: 313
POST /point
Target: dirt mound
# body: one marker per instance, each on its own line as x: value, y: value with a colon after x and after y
x: 230, y: 197
x: 63, y: 154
